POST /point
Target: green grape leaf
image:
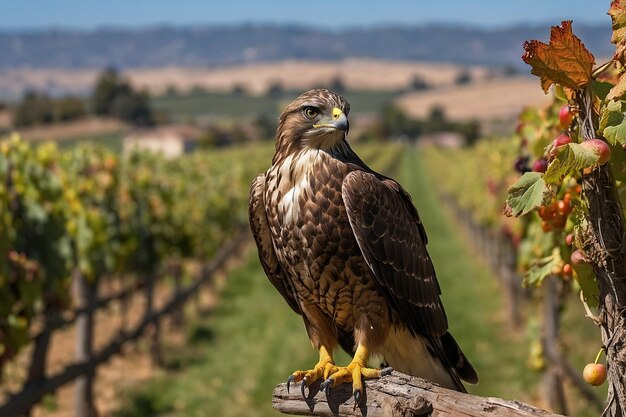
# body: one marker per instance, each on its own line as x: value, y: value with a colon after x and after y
x: 529, y: 192
x: 601, y: 89
x: 35, y: 212
x: 570, y: 158
x: 613, y: 123
x: 612, y: 115
x: 542, y: 268
x: 585, y: 277
x: 616, y: 134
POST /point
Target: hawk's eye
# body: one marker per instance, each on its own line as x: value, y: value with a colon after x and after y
x: 310, y: 112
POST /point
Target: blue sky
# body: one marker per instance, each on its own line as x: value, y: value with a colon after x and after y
x: 89, y: 14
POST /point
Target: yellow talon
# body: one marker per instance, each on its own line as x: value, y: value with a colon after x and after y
x: 354, y: 372
x: 322, y: 369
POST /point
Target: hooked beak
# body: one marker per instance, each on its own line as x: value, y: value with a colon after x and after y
x: 339, y: 121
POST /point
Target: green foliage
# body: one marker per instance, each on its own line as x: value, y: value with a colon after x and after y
x: 542, y: 268
x: 114, y: 96
x: 69, y: 108
x: 35, y: 250
x: 36, y: 109
x: 464, y: 77
x: 529, y: 192
x: 586, y: 279
x: 613, y: 123
x: 395, y: 122
x: 477, y: 177
x: 89, y: 210
x: 418, y: 84
x: 570, y: 158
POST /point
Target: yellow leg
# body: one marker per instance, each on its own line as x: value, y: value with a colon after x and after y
x: 322, y: 369
x: 354, y: 372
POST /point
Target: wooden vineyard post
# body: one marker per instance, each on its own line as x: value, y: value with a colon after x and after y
x: 178, y: 317
x: 124, y: 305
x: 153, y: 328
x: 37, y: 367
x: 85, y: 294
x: 553, y: 382
x: 507, y: 268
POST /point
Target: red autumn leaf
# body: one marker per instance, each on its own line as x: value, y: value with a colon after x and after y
x: 564, y: 60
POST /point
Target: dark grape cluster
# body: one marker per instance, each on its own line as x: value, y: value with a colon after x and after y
x: 521, y: 164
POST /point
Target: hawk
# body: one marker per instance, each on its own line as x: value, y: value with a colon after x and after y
x: 345, y: 247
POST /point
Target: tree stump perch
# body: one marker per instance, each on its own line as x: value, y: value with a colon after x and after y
x: 397, y: 395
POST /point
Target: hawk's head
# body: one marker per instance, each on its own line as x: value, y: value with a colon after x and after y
x: 317, y: 119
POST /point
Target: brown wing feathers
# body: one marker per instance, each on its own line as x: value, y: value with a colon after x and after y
x: 392, y: 242
x: 263, y: 239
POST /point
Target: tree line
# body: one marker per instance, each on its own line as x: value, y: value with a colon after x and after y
x: 112, y: 96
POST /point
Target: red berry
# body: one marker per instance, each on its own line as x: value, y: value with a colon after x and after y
x: 546, y: 226
x: 600, y: 148
x: 559, y: 221
x: 567, y: 270
x: 565, y: 116
x: 569, y: 239
x: 567, y: 198
x: 540, y: 165
x: 546, y: 212
x: 594, y: 374
x: 563, y: 207
x: 562, y: 139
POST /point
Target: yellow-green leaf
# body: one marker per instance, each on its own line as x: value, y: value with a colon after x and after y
x: 612, y: 114
x: 616, y: 134
x: 542, y: 268
x: 586, y: 278
x: 570, y: 159
x: 529, y: 192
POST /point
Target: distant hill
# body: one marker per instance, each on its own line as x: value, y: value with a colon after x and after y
x: 202, y: 46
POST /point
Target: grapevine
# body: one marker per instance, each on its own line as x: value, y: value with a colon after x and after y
x: 104, y: 215
x: 589, y: 152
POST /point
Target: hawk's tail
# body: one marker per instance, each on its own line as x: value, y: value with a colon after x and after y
x: 431, y: 358
x: 458, y: 360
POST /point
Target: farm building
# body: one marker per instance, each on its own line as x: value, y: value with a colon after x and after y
x: 171, y: 141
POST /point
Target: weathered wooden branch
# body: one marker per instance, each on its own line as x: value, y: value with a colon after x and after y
x: 395, y: 396
x: 85, y: 294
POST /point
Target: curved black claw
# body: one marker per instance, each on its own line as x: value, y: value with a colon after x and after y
x: 357, y: 399
x: 325, y: 386
x: 386, y: 371
x: 289, y: 381
x: 303, y: 386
